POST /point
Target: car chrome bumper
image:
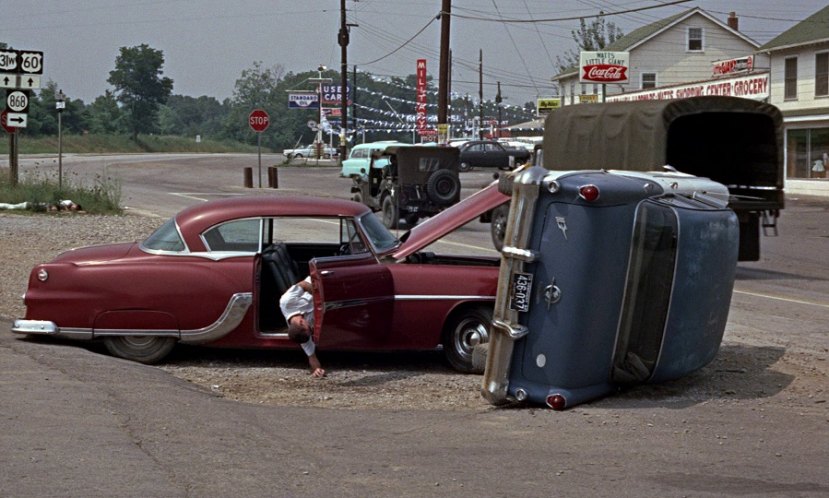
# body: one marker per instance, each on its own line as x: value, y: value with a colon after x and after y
x: 39, y: 327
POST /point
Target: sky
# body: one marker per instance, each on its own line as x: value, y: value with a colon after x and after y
x: 208, y: 43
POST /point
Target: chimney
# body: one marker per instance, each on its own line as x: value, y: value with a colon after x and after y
x: 733, y: 21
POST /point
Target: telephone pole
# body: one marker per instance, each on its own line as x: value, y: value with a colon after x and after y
x: 443, y: 80
x: 343, y: 39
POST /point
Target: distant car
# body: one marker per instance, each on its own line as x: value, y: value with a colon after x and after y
x: 213, y: 274
x: 359, y: 158
x: 291, y: 153
x: 310, y: 151
x: 491, y: 154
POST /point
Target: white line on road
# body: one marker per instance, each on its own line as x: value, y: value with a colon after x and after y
x: 786, y: 299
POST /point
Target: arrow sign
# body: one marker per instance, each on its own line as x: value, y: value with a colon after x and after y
x: 17, y: 119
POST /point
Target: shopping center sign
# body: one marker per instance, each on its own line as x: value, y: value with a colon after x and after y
x: 754, y: 86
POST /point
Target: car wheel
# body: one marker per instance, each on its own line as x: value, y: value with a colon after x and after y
x: 498, y: 225
x: 391, y: 215
x: 443, y: 187
x: 326, y: 156
x: 411, y: 219
x: 298, y: 156
x: 465, y: 167
x: 141, y: 348
x: 466, y: 330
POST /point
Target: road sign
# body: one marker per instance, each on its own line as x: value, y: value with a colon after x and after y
x: 3, y: 115
x: 17, y: 119
x: 28, y: 81
x: 259, y: 120
x: 17, y: 101
x: 8, y: 80
x: 8, y: 60
x: 30, y: 62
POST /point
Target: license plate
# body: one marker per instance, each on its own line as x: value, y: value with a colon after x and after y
x: 520, y: 291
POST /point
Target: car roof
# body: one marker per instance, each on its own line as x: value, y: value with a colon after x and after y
x: 195, y: 219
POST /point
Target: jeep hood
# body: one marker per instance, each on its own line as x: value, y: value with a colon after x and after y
x: 450, y: 219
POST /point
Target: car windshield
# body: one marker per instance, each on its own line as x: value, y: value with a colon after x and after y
x: 378, y: 235
x: 165, y: 238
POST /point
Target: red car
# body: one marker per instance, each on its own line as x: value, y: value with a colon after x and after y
x: 214, y: 273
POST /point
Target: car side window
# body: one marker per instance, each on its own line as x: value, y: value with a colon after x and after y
x: 165, y: 238
x: 237, y: 236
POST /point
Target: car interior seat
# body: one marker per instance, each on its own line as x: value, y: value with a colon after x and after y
x: 279, y: 271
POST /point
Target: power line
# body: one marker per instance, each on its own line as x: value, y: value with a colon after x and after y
x: 572, y: 18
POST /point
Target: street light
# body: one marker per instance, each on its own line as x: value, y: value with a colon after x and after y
x: 60, y: 105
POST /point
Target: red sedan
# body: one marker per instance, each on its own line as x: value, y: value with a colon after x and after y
x: 214, y: 273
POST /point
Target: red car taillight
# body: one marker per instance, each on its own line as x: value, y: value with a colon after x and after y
x: 556, y: 402
x: 589, y: 192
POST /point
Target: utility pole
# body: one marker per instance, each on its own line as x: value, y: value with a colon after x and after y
x: 343, y: 39
x: 443, y: 80
x: 498, y: 101
x: 480, y: 94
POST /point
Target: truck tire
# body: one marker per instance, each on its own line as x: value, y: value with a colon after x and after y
x: 391, y: 215
x: 443, y: 187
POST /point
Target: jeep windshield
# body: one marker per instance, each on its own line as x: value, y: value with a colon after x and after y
x: 378, y: 235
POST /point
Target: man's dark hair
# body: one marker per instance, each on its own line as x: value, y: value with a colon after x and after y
x: 298, y: 333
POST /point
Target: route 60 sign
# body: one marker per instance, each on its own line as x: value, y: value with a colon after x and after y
x: 21, y: 61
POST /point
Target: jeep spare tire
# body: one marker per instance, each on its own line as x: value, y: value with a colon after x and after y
x: 443, y: 187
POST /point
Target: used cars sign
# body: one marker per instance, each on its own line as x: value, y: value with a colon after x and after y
x: 604, y: 67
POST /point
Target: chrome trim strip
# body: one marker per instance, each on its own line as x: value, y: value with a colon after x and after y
x: 350, y: 303
x: 234, y: 313
x: 237, y: 308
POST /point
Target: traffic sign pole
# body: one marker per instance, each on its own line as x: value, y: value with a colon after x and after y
x: 258, y: 120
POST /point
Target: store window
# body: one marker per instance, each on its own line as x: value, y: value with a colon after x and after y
x: 807, y: 153
x: 790, y: 79
x: 695, y: 42
x: 648, y: 80
x: 822, y: 74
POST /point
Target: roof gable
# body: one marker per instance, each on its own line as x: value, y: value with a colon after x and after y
x: 814, y: 28
x: 641, y: 35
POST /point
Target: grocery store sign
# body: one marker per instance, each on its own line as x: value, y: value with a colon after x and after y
x: 604, y: 67
x: 755, y: 86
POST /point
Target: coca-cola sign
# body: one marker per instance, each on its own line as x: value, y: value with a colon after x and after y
x: 604, y: 67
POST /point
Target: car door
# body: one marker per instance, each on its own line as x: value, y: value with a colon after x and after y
x: 353, y: 302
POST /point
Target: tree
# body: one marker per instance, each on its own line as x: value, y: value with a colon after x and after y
x: 590, y: 37
x: 139, y: 86
x: 104, y: 116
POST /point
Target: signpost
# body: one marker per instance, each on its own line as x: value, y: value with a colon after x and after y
x: 258, y: 120
x: 20, y: 71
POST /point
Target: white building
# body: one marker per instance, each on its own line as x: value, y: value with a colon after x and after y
x: 672, y: 51
x: 799, y: 59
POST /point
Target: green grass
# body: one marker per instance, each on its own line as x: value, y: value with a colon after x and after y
x: 98, y: 144
x: 102, y: 196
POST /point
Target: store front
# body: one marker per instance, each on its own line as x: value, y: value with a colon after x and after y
x: 807, y: 147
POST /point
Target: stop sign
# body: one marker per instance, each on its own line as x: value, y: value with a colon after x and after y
x: 259, y: 120
x: 4, y: 123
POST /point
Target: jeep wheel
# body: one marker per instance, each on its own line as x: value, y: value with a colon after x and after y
x: 391, y: 215
x: 357, y: 197
x: 498, y: 225
x: 443, y: 187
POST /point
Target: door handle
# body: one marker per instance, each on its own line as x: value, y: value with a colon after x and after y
x: 325, y: 273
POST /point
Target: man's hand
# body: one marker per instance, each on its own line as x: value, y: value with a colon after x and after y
x: 316, y: 367
x: 318, y: 372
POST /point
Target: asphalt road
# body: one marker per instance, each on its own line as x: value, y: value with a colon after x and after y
x: 77, y: 423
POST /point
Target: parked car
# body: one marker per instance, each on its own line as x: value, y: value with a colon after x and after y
x: 491, y: 154
x: 213, y: 274
x: 313, y: 151
x: 608, y: 279
x: 291, y: 153
x: 359, y: 158
x: 414, y: 182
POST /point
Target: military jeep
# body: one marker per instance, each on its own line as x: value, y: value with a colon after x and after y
x: 415, y: 182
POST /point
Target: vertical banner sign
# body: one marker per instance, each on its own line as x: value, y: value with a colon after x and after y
x: 420, y: 105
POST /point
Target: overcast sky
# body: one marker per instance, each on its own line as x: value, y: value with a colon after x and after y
x: 207, y: 43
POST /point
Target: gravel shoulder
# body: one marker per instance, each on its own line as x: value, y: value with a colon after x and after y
x: 750, y: 368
